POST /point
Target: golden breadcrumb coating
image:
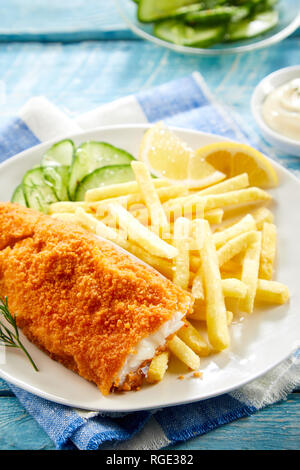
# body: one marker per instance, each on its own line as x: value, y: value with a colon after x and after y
x: 79, y: 298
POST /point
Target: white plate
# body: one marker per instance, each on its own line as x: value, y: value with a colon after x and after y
x: 260, y: 342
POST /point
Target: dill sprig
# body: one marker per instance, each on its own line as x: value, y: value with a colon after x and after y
x: 10, y: 338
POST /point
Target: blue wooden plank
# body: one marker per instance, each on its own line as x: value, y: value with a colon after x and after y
x: 273, y: 428
x: 4, y: 389
x: 18, y: 430
x: 71, y: 20
x: 78, y: 77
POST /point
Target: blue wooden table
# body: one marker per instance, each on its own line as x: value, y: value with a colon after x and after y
x: 78, y: 76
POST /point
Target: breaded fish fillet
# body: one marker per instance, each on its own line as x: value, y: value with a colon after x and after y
x: 90, y: 306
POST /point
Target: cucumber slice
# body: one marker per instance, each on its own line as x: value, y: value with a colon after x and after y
x: 38, y: 193
x: 18, y: 196
x: 217, y: 15
x: 209, y: 17
x: 209, y: 4
x: 104, y: 176
x: 197, y: 36
x: 248, y: 2
x: 263, y: 5
x: 247, y: 29
x: 153, y: 10
x: 58, y: 178
x: 92, y: 155
x: 60, y: 153
x: 240, y: 13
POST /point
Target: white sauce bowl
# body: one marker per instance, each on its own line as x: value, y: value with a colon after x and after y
x: 266, y: 86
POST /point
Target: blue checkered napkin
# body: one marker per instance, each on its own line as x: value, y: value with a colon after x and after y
x: 184, y: 103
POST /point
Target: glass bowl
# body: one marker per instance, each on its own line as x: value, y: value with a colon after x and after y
x: 289, y: 21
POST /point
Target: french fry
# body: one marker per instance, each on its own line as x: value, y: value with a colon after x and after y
x: 66, y: 207
x: 119, y: 189
x: 140, y: 234
x: 99, y: 228
x: 229, y: 316
x: 89, y: 221
x: 250, y: 273
x: 234, y: 288
x: 214, y: 216
x: 166, y: 194
x: 235, y: 246
x: 184, y: 353
x: 231, y: 269
x: 113, y: 235
x: 239, y: 197
x: 191, y: 336
x: 142, y: 215
x: 232, y: 305
x: 233, y: 215
x: 268, y: 251
x: 246, y: 224
x: 182, y: 228
x: 197, y: 285
x: 272, y: 292
x: 157, y: 215
x: 262, y: 215
x: 158, y: 367
x: 230, y: 184
x: 216, y: 319
x: 199, y: 311
x: 173, y: 191
x: 195, y: 262
x: 182, y: 206
x: 128, y: 201
x: 231, y: 287
x: 198, y: 230
x: 164, y: 266
x: 125, y: 201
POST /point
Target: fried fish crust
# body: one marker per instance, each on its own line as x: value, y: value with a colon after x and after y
x: 77, y: 297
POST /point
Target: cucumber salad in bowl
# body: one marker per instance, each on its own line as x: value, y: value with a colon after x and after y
x: 204, y: 23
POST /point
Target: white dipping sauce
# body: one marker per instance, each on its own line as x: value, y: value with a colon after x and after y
x: 281, y: 109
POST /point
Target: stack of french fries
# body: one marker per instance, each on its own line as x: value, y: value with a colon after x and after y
x: 219, y: 243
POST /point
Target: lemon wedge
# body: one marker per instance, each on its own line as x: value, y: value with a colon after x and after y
x: 167, y: 156
x: 164, y: 153
x: 233, y: 159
